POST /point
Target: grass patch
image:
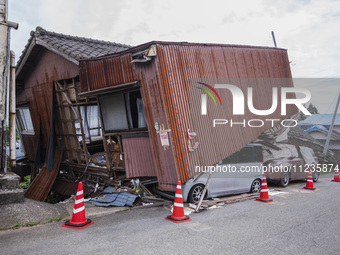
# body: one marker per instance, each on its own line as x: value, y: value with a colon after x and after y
x: 56, y: 219
x: 30, y: 224
x: 16, y: 225
x: 27, y: 224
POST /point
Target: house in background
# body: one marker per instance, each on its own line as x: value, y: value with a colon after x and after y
x: 318, y: 125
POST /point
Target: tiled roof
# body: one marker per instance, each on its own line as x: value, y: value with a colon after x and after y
x: 73, y: 48
x: 78, y: 47
x: 113, y: 198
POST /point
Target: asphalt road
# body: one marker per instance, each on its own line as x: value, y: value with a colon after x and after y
x: 297, y: 222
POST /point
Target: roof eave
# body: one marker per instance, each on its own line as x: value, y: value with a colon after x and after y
x: 144, y: 46
x: 25, y: 56
x: 36, y: 41
x: 58, y: 52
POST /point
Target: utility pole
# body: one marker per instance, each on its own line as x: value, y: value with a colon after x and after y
x: 5, y: 26
x: 3, y: 83
x: 274, y: 39
x: 331, y: 127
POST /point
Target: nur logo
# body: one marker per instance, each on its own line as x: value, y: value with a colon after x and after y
x: 204, y: 97
x: 239, y: 99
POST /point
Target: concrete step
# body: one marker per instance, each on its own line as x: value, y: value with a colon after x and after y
x: 9, y: 181
x: 11, y: 196
x: 10, y: 191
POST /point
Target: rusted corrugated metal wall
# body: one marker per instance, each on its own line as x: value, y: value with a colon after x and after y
x: 111, y: 71
x: 106, y: 73
x: 138, y: 158
x: 180, y: 66
x: 166, y: 88
x: 37, y: 94
x: 154, y: 97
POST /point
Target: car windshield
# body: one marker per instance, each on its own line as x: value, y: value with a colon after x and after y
x: 247, y: 154
x: 287, y: 151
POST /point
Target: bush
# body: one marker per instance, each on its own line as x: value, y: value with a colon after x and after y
x: 26, y: 183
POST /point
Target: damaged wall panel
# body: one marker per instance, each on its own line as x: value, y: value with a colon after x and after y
x: 138, y: 156
x: 167, y: 80
x: 37, y: 94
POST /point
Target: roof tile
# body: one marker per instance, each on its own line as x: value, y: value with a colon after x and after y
x: 75, y: 47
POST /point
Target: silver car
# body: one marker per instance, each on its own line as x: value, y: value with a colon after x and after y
x: 239, y: 173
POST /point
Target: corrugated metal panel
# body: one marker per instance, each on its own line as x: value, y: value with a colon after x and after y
x: 166, y: 84
x: 106, y: 73
x: 138, y: 157
x: 93, y: 77
x: 42, y: 184
x: 154, y: 97
x: 69, y: 188
x: 181, y: 65
x: 37, y: 92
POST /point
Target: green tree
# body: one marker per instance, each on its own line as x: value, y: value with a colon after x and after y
x: 311, y: 108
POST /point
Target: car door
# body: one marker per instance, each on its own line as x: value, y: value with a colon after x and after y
x: 248, y: 168
x: 222, y: 182
x: 297, y: 168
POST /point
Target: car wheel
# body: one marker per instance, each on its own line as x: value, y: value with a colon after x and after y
x: 315, y: 176
x: 256, y: 186
x: 284, y: 181
x: 196, y: 193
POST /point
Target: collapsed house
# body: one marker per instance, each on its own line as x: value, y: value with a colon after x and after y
x: 137, y: 111
x: 318, y: 126
x: 298, y: 137
x: 165, y: 75
x: 51, y: 60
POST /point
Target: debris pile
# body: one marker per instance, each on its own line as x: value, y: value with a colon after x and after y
x: 116, y: 197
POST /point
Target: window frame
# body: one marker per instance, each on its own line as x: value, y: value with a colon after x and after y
x: 22, y: 123
x: 129, y: 129
x: 85, y: 123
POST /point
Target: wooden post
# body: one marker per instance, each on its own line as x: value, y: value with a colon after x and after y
x: 203, y: 193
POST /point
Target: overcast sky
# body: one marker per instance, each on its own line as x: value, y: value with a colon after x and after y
x: 310, y: 30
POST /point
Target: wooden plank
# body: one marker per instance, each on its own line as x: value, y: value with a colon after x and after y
x: 63, y: 124
x: 69, y: 130
x: 42, y: 184
x: 80, y: 118
x: 203, y: 193
x: 71, y: 120
x: 231, y: 199
x: 106, y: 147
x: 66, y: 97
x: 72, y: 135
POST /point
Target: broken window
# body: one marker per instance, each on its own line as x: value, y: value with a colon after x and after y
x: 91, y: 123
x: 122, y: 111
x: 24, y: 121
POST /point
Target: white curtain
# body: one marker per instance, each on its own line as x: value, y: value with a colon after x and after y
x: 141, y: 114
x: 91, y: 121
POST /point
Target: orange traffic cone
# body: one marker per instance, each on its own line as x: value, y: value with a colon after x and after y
x: 78, y: 220
x: 336, y: 175
x: 309, y: 184
x: 178, y: 215
x: 264, y: 196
